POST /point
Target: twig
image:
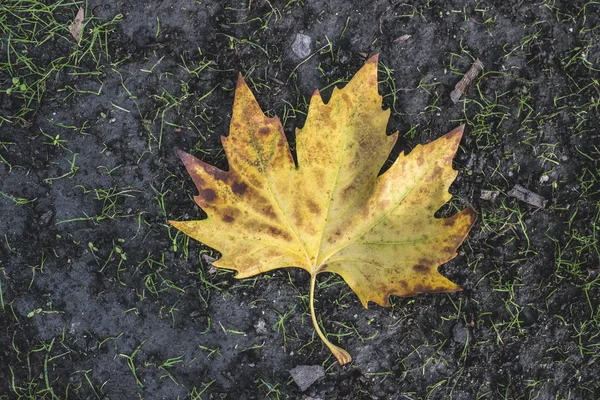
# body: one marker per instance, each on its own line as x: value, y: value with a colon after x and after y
x: 466, y: 80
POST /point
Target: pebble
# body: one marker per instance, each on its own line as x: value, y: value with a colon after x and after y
x: 306, y: 375
x: 460, y: 334
x: 302, y: 45
x: 46, y: 217
x: 261, y: 326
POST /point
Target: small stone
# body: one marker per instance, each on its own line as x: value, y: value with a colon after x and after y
x: 261, y: 326
x: 302, y: 45
x: 306, y: 375
x: 489, y: 195
x: 460, y: 334
x: 46, y: 217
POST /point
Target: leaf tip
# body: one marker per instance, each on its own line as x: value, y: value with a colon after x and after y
x: 176, y: 224
x: 241, y: 82
x: 456, y: 134
x: 374, y: 59
x: 181, y: 154
x: 471, y: 217
x: 187, y: 159
x: 471, y: 214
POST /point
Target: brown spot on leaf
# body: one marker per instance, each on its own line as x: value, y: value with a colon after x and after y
x: 436, y: 173
x: 271, y: 253
x: 318, y: 145
x: 449, y: 249
x: 239, y: 188
x: 216, y: 173
x: 208, y: 194
x: 198, y: 181
x: 421, y: 288
x: 372, y: 81
x: 298, y: 218
x: 268, y: 212
x: 264, y: 130
x: 313, y: 207
x: 279, y: 233
x: 423, y: 191
x: 254, y: 181
x: 364, y: 145
x: 334, y: 237
x: 347, y: 192
x: 347, y: 101
x: 228, y: 219
x: 449, y: 221
x: 420, y: 269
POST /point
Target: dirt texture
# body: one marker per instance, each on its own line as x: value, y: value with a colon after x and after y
x: 101, y: 299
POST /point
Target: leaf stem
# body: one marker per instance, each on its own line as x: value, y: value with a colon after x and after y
x: 340, y: 354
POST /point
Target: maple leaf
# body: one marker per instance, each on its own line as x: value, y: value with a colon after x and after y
x: 331, y: 212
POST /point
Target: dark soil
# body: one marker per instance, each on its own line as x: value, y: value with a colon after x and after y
x: 100, y: 298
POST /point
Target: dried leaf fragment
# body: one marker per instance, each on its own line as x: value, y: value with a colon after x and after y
x: 77, y: 25
x: 402, y: 38
x: 489, y: 195
x: 466, y: 80
x: 527, y: 196
x: 332, y: 212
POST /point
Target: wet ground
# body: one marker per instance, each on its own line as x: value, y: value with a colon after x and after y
x: 100, y: 298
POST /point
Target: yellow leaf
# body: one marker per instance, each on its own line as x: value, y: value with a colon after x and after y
x: 331, y: 212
